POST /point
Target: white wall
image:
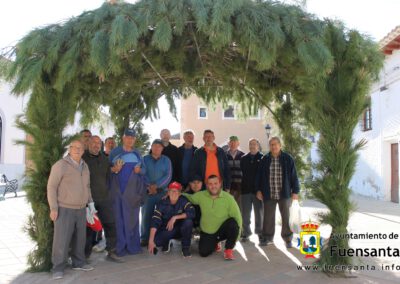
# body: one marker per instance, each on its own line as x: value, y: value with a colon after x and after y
x: 373, y: 173
x: 12, y: 159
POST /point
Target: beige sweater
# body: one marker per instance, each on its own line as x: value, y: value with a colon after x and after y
x: 68, y: 185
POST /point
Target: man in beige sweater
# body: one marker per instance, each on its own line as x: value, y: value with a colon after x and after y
x: 68, y: 193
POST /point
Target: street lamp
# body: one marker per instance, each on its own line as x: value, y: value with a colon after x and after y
x: 268, y: 130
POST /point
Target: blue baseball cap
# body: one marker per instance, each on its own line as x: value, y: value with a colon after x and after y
x: 130, y: 132
x: 157, y: 141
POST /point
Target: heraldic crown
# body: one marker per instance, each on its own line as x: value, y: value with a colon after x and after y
x: 309, y: 226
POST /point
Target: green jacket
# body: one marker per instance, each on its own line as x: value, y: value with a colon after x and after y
x: 214, y: 212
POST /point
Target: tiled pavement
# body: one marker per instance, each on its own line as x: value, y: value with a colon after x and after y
x: 273, y: 264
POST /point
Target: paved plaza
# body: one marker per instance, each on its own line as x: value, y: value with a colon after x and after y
x: 272, y: 264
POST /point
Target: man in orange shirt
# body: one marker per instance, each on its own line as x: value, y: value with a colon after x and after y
x: 211, y: 160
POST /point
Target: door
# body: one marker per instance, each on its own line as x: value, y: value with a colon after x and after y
x: 395, y: 173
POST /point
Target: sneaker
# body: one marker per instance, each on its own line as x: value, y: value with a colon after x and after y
x: 289, y: 245
x: 186, y: 252
x: 265, y: 242
x: 84, y: 267
x: 144, y: 243
x: 112, y: 256
x: 218, y: 247
x: 167, y: 248
x: 58, y: 275
x: 228, y: 254
x: 100, y: 247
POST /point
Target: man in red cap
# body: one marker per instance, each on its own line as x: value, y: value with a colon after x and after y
x: 172, y: 219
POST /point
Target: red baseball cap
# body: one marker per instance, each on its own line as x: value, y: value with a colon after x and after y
x: 175, y: 185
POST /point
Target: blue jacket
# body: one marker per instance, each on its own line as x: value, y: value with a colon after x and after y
x: 198, y: 166
x: 290, y: 182
x: 164, y: 211
x: 158, y: 171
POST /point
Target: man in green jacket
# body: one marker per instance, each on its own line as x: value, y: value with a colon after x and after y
x: 220, y: 218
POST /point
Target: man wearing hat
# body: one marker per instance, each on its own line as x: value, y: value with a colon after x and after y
x: 234, y: 155
x: 172, y: 218
x: 127, y: 191
x: 158, y: 175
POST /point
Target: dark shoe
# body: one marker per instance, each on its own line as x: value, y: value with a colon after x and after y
x: 111, y: 256
x: 289, y: 245
x: 244, y: 239
x: 167, y: 248
x: 186, y: 252
x: 265, y: 242
x: 58, y: 275
x: 144, y: 243
x: 84, y: 267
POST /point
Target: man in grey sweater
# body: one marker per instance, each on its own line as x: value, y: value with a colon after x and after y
x: 68, y: 193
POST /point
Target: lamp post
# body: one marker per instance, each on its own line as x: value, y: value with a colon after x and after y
x: 268, y: 131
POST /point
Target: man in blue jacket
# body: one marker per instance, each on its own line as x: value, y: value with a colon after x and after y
x: 172, y: 218
x: 211, y: 160
x: 185, y: 157
x: 158, y: 175
x: 277, y: 183
x: 127, y: 188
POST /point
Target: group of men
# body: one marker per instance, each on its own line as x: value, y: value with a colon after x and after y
x: 177, y: 190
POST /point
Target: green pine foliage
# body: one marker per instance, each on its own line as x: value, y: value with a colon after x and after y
x: 334, y: 111
x: 294, y: 129
x: 126, y: 56
x: 45, y: 118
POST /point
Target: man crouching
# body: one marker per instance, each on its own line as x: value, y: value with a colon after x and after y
x: 220, y: 218
x: 172, y: 219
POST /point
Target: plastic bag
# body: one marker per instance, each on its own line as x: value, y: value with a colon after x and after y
x: 295, y: 217
x: 96, y: 225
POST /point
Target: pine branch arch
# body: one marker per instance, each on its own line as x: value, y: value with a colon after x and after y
x: 126, y: 56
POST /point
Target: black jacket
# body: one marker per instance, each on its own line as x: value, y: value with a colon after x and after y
x: 198, y: 166
x: 171, y: 151
x: 290, y: 182
x: 249, y: 165
x: 99, y: 167
x: 164, y: 211
x: 181, y: 153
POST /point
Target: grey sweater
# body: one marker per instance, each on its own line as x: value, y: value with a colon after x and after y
x: 68, y: 185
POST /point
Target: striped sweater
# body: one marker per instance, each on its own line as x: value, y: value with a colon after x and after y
x: 234, y: 166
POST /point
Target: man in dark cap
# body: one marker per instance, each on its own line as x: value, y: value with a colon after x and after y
x: 158, y: 175
x: 127, y: 189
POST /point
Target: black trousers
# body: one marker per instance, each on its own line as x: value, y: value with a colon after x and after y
x: 105, y: 214
x: 228, y: 231
x: 196, y: 220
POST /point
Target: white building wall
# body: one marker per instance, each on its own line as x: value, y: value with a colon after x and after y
x: 373, y: 173
x: 12, y: 158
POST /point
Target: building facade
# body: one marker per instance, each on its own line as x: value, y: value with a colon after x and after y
x: 225, y: 122
x: 377, y: 172
x: 12, y: 156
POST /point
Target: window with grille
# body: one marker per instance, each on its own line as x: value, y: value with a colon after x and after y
x: 367, y: 120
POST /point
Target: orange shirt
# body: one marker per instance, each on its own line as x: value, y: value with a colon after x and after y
x: 211, y: 164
